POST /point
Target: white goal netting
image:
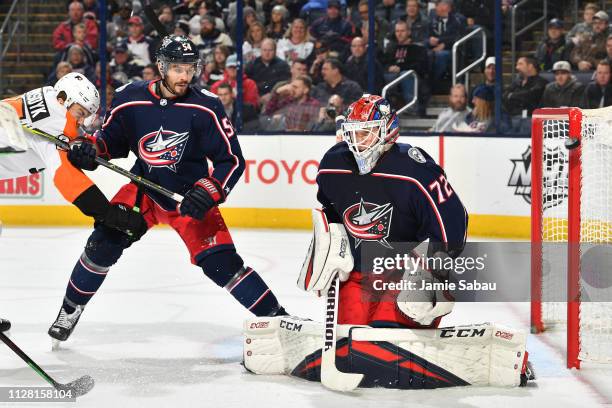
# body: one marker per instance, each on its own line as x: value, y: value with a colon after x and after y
x: 595, y: 314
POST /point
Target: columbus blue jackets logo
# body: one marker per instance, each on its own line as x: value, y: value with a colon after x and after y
x: 162, y: 148
x: 369, y: 222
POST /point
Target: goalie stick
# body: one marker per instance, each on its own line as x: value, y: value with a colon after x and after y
x: 331, y: 377
x: 113, y: 167
x: 78, y: 387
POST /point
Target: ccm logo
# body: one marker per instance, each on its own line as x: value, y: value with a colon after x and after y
x: 504, y: 335
x: 260, y: 325
x: 450, y: 332
x: 290, y: 326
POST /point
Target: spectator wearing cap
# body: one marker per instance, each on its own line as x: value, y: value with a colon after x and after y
x: 278, y: 22
x: 227, y: 96
x: 456, y: 112
x: 360, y: 18
x: 332, y: 21
x: 250, y: 94
x: 553, y: 48
x: 418, y: 23
x: 62, y: 35
x: 141, y: 46
x: 253, y: 8
x: 598, y: 93
x: 481, y: 117
x: 123, y: 62
x: 194, y: 22
x: 214, y: 69
x: 389, y: 10
x: 356, y: 67
x: 590, y: 51
x: 565, y: 91
x: 584, y: 28
x: 210, y: 37
x: 251, y: 48
x: 489, y: 78
x: 297, y: 44
x: 268, y: 69
x: 334, y: 82
x: 402, y: 55
x: 444, y: 29
x: 292, y: 108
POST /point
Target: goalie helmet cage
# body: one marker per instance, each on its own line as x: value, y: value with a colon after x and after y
x: 571, y: 205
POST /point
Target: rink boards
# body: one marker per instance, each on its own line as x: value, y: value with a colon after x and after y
x: 490, y: 174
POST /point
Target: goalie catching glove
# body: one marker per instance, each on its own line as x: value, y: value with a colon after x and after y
x: 329, y: 254
x: 425, y: 305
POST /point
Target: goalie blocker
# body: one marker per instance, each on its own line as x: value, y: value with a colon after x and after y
x: 481, y: 354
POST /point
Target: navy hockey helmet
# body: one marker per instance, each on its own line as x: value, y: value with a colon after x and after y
x: 178, y: 49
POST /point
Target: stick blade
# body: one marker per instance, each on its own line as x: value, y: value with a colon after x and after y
x: 79, y: 387
x: 334, y: 379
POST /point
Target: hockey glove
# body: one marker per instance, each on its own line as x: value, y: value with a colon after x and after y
x: 125, y: 220
x: 425, y: 305
x: 205, y: 194
x: 82, y: 154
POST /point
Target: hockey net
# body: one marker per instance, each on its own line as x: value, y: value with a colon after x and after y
x: 572, y: 230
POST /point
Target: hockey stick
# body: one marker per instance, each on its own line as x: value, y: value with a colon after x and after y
x: 78, y: 387
x: 137, y: 179
x: 331, y: 377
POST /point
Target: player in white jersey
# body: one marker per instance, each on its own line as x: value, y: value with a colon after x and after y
x: 60, y: 111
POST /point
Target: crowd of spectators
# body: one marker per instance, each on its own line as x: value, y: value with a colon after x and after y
x: 304, y: 61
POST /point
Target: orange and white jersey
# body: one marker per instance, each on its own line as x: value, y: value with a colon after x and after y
x: 40, y: 109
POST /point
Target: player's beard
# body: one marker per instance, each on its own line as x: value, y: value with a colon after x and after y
x: 180, y: 87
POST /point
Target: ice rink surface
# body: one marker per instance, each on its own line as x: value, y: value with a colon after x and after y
x: 160, y: 334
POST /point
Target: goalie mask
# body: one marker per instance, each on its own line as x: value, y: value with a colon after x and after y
x: 79, y: 89
x: 370, y: 129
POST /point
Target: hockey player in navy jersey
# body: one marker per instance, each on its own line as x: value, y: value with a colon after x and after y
x: 172, y: 127
x: 378, y: 193
x: 381, y: 191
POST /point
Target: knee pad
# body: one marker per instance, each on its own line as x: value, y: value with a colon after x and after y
x: 105, y: 245
x: 221, y: 267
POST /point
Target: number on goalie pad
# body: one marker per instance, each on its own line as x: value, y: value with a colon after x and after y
x: 479, y: 354
x: 11, y: 127
x: 329, y: 253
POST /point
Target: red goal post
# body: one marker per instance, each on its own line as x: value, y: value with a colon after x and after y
x: 569, y: 206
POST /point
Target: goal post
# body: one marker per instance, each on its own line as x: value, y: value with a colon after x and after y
x: 571, y: 221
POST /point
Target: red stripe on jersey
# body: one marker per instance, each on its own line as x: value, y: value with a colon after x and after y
x: 225, y: 138
x: 333, y: 171
x: 420, y: 186
x: 124, y: 105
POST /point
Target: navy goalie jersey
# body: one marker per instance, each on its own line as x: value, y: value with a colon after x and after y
x: 405, y: 198
x: 172, y: 138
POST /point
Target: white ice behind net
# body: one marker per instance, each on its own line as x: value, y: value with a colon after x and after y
x: 595, y: 234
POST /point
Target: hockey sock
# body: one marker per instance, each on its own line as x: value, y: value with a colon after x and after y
x: 245, y: 285
x: 103, y: 249
x: 86, y: 279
